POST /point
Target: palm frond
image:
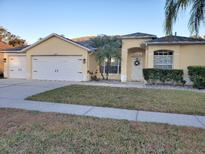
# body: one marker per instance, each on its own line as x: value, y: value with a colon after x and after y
x: 172, y: 8
x: 197, y: 16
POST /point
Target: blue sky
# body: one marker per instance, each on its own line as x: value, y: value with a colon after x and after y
x: 32, y: 19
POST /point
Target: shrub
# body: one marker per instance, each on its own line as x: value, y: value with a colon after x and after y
x: 154, y: 76
x: 93, y: 75
x: 1, y: 75
x: 197, y: 76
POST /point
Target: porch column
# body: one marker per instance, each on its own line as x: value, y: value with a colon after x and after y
x: 124, y: 64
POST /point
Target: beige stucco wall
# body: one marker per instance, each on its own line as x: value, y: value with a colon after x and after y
x: 184, y: 56
x: 150, y: 54
x: 1, y: 62
x: 93, y: 66
x: 128, y: 44
x: 56, y: 46
x: 111, y: 76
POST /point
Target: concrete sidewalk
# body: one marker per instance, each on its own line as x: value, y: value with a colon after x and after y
x: 103, y: 112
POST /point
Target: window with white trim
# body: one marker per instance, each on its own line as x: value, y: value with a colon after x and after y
x: 115, y: 66
x: 163, y: 59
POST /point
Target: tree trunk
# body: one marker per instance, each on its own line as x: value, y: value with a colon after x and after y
x: 108, y: 68
x: 101, y: 73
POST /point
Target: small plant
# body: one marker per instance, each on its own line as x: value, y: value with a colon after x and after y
x: 1, y: 75
x: 93, y: 75
x: 154, y: 76
x: 197, y: 76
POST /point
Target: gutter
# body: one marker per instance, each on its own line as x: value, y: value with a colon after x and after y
x: 176, y: 43
x: 139, y: 37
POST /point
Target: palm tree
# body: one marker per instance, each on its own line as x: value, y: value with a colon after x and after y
x: 107, y: 47
x: 172, y: 8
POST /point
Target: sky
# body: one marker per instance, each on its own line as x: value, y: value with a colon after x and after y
x: 34, y: 19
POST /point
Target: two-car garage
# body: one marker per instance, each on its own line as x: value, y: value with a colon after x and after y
x: 67, y: 68
x: 53, y: 58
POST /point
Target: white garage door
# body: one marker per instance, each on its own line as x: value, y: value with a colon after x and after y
x: 68, y: 68
x: 17, y: 67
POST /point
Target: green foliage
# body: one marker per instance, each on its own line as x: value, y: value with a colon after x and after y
x: 154, y: 76
x: 93, y: 75
x: 1, y: 75
x: 10, y: 38
x: 197, y: 76
x: 107, y: 47
x: 173, y: 7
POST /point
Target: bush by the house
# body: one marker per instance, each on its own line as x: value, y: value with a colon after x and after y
x: 154, y: 76
x: 1, y: 75
x: 93, y: 75
x: 197, y: 76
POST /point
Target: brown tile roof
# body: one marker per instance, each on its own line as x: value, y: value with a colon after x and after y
x: 4, y: 45
x: 176, y: 40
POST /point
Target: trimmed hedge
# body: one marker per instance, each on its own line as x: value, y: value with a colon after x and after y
x: 197, y: 76
x: 154, y: 76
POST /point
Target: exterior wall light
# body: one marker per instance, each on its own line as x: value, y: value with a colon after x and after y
x: 84, y: 61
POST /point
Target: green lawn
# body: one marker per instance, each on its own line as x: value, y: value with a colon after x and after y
x: 34, y: 132
x: 129, y: 98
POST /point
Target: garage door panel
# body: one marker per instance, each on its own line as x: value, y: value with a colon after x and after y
x: 67, y: 68
x: 17, y: 67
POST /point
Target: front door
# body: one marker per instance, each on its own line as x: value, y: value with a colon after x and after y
x: 136, y: 69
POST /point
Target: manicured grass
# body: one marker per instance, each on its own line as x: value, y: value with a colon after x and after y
x: 34, y: 132
x: 176, y: 101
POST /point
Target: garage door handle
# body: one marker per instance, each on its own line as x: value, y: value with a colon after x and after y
x: 11, y: 70
x: 34, y: 71
x: 79, y: 72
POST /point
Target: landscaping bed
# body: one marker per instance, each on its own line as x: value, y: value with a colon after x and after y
x: 174, y: 101
x: 35, y: 132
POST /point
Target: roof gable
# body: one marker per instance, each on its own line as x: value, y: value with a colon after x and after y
x: 58, y: 36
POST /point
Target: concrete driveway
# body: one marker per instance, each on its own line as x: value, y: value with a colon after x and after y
x: 15, y: 89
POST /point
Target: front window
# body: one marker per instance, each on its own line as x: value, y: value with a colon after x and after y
x: 163, y: 59
x: 115, y: 66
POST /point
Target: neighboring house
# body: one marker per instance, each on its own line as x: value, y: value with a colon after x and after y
x: 3, y: 46
x: 58, y: 58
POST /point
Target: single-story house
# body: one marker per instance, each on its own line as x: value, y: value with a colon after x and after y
x: 58, y: 58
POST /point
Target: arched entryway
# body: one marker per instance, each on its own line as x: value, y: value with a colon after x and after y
x: 136, y: 60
